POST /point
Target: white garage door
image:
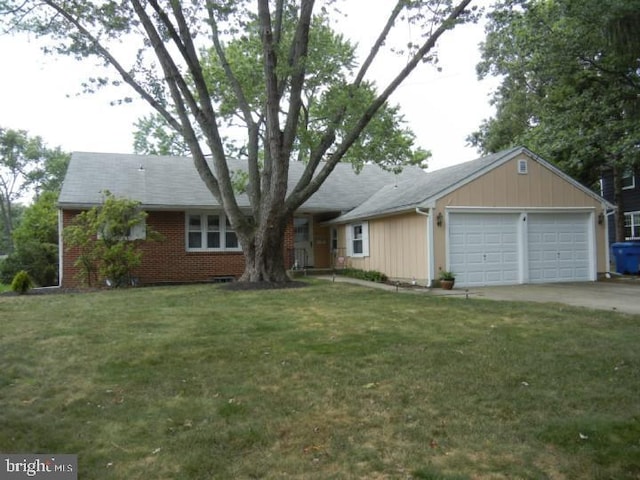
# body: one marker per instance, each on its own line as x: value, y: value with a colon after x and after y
x: 483, y: 248
x: 558, y: 247
x: 510, y: 248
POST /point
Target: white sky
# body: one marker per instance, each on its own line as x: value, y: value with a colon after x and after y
x: 38, y: 93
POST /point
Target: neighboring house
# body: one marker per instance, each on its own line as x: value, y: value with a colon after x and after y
x: 630, y: 202
x: 504, y: 219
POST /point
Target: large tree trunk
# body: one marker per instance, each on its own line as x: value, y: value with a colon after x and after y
x: 264, y: 253
x: 7, y: 216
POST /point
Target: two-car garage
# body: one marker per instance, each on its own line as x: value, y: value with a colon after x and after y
x: 510, y: 247
x: 505, y: 219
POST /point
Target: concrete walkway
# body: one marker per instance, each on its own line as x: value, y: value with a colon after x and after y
x: 620, y: 295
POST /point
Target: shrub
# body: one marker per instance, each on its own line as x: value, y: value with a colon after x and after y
x: 369, y: 275
x: 40, y: 259
x: 22, y: 282
x: 107, y: 245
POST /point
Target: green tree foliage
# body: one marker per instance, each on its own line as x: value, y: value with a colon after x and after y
x: 570, y: 82
x: 385, y: 141
x: 36, y: 241
x: 108, y: 239
x: 265, y: 86
x: 27, y: 165
x: 154, y: 136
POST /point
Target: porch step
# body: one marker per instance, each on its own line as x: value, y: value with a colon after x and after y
x: 303, y: 272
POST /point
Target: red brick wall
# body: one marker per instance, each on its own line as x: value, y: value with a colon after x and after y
x: 168, y: 260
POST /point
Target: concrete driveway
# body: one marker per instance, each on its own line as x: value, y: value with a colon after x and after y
x: 618, y: 295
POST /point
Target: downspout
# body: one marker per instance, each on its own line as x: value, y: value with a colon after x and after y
x: 60, y: 247
x: 607, y: 252
x: 430, y: 251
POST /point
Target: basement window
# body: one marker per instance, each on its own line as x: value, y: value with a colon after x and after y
x: 522, y: 167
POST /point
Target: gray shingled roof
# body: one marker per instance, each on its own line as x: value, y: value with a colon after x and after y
x: 422, y: 191
x: 418, y: 191
x: 166, y: 182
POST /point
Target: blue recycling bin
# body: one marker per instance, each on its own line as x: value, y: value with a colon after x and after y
x: 627, y: 256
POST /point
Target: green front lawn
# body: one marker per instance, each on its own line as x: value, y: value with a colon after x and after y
x: 326, y: 382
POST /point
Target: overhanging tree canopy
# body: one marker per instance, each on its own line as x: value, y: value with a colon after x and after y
x: 571, y: 82
x: 174, y: 38
x: 27, y: 165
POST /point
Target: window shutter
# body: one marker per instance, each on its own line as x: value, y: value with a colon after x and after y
x: 138, y: 231
x: 349, y: 229
x: 365, y: 239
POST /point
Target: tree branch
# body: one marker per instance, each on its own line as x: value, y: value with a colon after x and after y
x: 252, y: 126
x: 126, y: 76
x: 298, y: 63
x: 380, y: 40
x: 179, y: 91
x: 302, y: 192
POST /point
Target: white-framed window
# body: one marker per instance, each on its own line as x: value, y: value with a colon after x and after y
x: 210, y: 231
x: 632, y: 225
x: 628, y: 179
x: 358, y: 239
x: 137, y: 231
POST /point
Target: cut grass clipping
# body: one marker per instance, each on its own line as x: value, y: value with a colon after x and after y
x: 330, y: 381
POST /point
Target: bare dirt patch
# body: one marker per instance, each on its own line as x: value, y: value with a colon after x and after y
x: 248, y: 286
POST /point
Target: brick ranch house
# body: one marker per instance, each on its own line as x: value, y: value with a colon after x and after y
x: 506, y: 218
x: 199, y: 244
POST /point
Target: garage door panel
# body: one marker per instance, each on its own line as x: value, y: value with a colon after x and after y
x: 473, y: 258
x: 510, y: 257
x: 484, y: 248
x: 474, y: 278
x: 558, y: 247
x: 493, y: 239
x: 567, y: 237
x: 474, y: 238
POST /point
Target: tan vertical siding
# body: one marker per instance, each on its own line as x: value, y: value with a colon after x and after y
x: 397, y: 247
x: 505, y: 187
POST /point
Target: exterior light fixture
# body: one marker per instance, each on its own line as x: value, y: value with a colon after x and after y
x: 439, y: 219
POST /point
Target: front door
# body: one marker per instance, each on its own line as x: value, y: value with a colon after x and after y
x: 303, y: 243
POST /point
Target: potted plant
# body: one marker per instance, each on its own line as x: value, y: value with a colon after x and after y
x: 447, y: 279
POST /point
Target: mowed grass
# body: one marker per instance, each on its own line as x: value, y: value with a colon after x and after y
x: 330, y: 381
